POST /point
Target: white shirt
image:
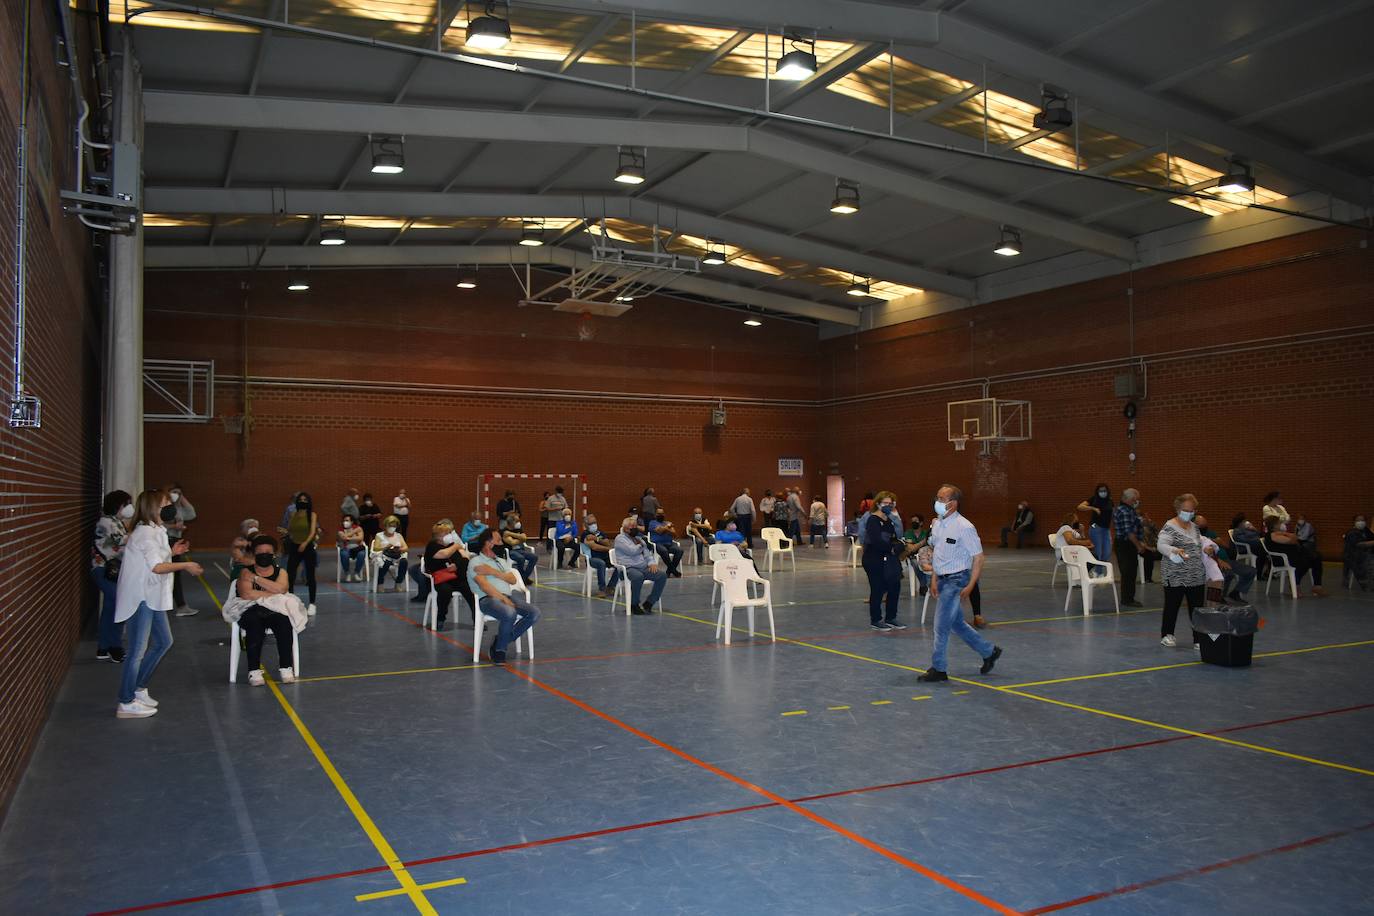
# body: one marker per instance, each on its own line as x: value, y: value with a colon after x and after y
x: 1059, y: 539
x: 1209, y: 563
x: 147, y: 547
x: 955, y: 542
x: 399, y: 506
x: 383, y: 540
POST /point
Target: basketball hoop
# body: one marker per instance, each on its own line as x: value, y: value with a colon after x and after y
x: 233, y: 425
x: 960, y: 442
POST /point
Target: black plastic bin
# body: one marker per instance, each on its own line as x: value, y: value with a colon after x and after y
x: 1226, y: 634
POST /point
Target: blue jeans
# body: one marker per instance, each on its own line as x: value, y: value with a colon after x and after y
x: 921, y: 575
x: 950, y: 616
x: 359, y: 556
x: 511, y: 623
x: 150, y: 637
x: 598, y: 564
x: 525, y: 560
x: 1102, y: 546
x: 109, y: 635
x: 637, y: 576
x: 1239, y: 579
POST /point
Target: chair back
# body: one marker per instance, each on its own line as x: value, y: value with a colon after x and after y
x: 520, y: 585
x: 1054, y: 542
x: 550, y: 534
x: 771, y: 536
x: 718, y: 552
x: 612, y: 557
x: 1077, y: 557
x: 733, y: 577
x: 583, y: 549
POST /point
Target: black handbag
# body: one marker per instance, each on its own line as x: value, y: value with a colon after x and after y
x: 112, y: 569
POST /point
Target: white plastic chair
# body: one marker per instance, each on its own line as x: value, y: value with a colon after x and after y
x: 588, y: 573
x: 775, y: 540
x: 343, y: 561
x: 1281, y: 567
x: 734, y: 578
x: 623, y: 585
x: 718, y: 553
x: 1140, y: 568
x: 374, y: 564
x: 431, y: 617
x: 527, y: 637
x: 550, y: 537
x: 1058, y: 562
x: 856, y: 549
x: 236, y: 636
x: 1080, y: 560
x: 1243, y: 552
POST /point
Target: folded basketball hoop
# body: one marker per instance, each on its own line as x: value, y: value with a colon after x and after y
x: 960, y: 442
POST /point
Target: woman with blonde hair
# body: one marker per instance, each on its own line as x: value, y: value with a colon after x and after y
x: 446, y: 560
x: 391, y: 548
x: 881, y: 560
x: 143, y: 598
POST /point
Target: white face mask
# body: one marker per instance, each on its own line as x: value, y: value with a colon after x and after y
x: 390, y: 529
x: 347, y: 524
x: 593, y: 527
x: 1360, y: 524
x: 696, y: 517
x: 450, y: 538
x: 568, y: 517
x: 174, y: 495
x: 250, y: 532
x: 127, y: 511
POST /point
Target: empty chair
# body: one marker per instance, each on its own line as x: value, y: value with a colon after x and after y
x: 717, y: 553
x: 481, y: 622
x: 550, y: 538
x: 856, y: 549
x: 778, y: 544
x: 1279, y: 565
x: 1080, y: 560
x: 734, y: 576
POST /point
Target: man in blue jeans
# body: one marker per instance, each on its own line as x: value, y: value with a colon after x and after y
x: 641, y: 562
x: 957, y: 562
x: 491, y: 578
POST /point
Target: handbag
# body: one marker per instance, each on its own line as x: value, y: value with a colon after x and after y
x: 444, y: 575
x: 393, y: 553
x: 112, y: 569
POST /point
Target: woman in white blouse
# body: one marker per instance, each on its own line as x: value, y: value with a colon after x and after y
x: 389, y: 547
x: 143, y: 598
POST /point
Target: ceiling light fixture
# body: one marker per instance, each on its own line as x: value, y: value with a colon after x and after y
x: 298, y: 285
x: 752, y: 322
x: 857, y: 287
x: 630, y: 168
x: 1054, y: 114
x: 488, y: 31
x: 846, y: 197
x: 388, y: 155
x: 467, y: 283
x: 532, y: 233
x: 1010, y: 246
x: 624, y: 298
x: 332, y: 231
x: 715, y: 253
x: 799, y: 63
x: 1238, y: 179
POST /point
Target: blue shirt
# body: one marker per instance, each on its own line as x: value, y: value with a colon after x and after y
x: 496, y: 564
x: 955, y: 543
x: 725, y: 536
x: 1126, y: 522
x: 471, y: 531
x: 565, y: 527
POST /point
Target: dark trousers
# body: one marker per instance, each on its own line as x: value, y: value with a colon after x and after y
x: 573, y: 551
x: 1174, y: 596
x: 672, y: 555
x: 294, y: 558
x: 178, y: 595
x: 443, y: 594
x: 794, y: 529
x: 819, y: 531
x: 884, y: 581
x: 745, y: 524
x: 1127, y: 559
x: 404, y: 523
x: 1305, y: 560
x: 255, y: 623
x: 1021, y: 535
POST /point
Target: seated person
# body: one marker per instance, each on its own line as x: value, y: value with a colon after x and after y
x: 389, y: 548
x: 1071, y: 533
x: 1023, y: 525
x: 518, y: 551
x: 819, y: 517
x: 640, y: 562
x: 699, y: 530
x: 1279, y: 540
x: 352, y: 550
x: 1223, y: 572
x: 262, y: 601
x: 915, y: 538
x: 472, y: 528
x: 1243, y: 532
x: 492, y: 577
x: 446, y: 560
x: 241, y: 549
x: 729, y: 533
x: 1359, y: 553
x: 851, y: 527
x: 663, y: 536
x: 599, y: 546
x: 565, y: 536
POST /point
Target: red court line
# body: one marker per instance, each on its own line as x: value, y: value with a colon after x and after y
x: 419, y: 626
x: 1198, y: 872
x: 451, y: 857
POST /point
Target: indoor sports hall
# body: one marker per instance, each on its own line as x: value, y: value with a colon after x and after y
x: 717, y: 458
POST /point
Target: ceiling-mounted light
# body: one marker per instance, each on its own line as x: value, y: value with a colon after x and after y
x: 846, y: 197
x: 752, y: 322
x: 467, y: 283
x: 857, y: 286
x: 1010, y: 245
x: 715, y: 253
x: 298, y: 285
x: 799, y: 63
x: 1054, y: 114
x: 388, y: 155
x: 488, y: 31
x: 1238, y: 179
x: 532, y: 233
x: 332, y: 232
x: 624, y: 298
x: 630, y: 167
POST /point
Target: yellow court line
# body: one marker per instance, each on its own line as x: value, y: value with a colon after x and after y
x: 393, y: 861
x: 1066, y: 705
x: 1104, y: 616
x: 879, y: 702
x: 926, y: 697
x: 795, y: 712
x: 836, y: 708
x: 349, y: 677
x: 433, y: 885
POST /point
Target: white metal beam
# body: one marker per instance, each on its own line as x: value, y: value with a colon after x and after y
x: 231, y: 257
x: 203, y: 110
x: 263, y: 201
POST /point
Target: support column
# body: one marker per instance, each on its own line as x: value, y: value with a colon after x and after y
x: 123, y: 458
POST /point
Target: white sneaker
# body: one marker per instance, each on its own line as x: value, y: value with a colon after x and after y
x: 185, y: 611
x: 1197, y: 647
x: 288, y: 675
x: 134, y: 710
x: 310, y: 610
x: 142, y: 697
x: 255, y: 677
x: 1169, y: 641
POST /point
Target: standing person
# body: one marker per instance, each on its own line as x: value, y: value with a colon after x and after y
x: 1100, y: 531
x: 352, y: 550
x: 649, y: 506
x: 111, y: 531
x: 392, y: 547
x: 143, y: 598
x: 782, y: 515
x: 882, y: 564
x: 640, y: 562
x: 820, y: 521
x: 176, y: 531
x: 446, y: 560
x: 1180, y: 543
x: 956, y: 564
x: 349, y: 504
x: 400, y: 507
x: 545, y: 522
x: 262, y: 602
x: 743, y: 510
x: 866, y: 504
x: 1130, y: 543
x: 795, y: 513
x: 558, y: 507
x: 370, y: 517
x: 490, y: 577
x: 1023, y: 525
x: 917, y: 537
x: 1273, y: 508
x: 504, y: 507
x: 301, y: 532
x: 766, y: 503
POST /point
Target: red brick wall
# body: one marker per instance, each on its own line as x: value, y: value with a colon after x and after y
x: 1229, y: 426
x: 432, y: 433
x: 50, y: 476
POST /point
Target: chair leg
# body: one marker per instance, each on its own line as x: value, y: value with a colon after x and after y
x: 925, y: 603
x: 727, y: 611
x: 772, y: 628
x: 751, y: 621
x: 233, y: 653
x: 477, y: 627
x: 295, y: 652
x: 1116, y: 598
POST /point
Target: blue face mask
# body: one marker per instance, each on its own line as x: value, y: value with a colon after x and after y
x: 941, y: 508
x: 1186, y: 516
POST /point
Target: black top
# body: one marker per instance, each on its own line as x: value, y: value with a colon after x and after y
x: 432, y: 563
x: 880, y: 537
x: 507, y: 506
x: 1104, y: 507
x: 370, y: 520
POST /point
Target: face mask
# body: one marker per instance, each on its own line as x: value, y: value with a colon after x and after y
x: 450, y: 538
x: 250, y: 532
x: 567, y: 517
x: 517, y: 526
x: 696, y: 517
x: 347, y: 525
x: 1102, y: 493
x: 941, y: 508
x: 730, y: 527
x: 264, y: 560
x: 1360, y: 524
x: 1185, y: 516
x: 174, y: 495
x: 127, y: 511
x: 367, y: 502
x: 594, y: 528
x: 302, y: 505
x: 390, y: 529
x: 168, y: 514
